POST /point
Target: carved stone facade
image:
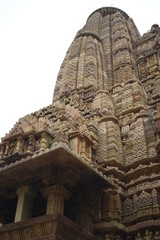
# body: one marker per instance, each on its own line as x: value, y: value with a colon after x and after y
x: 88, y: 166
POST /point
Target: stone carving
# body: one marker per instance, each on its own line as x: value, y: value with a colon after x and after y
x: 95, y: 150
x: 138, y: 237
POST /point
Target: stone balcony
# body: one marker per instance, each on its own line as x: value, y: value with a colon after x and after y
x: 55, y: 226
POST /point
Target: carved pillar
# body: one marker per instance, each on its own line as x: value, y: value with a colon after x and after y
x: 24, y: 204
x: 56, y: 195
x: 43, y: 141
x: 7, y: 148
x: 1, y: 151
x: 148, y: 235
x: 19, y: 145
x: 83, y: 147
x: 138, y: 237
x: 31, y: 143
x: 90, y: 152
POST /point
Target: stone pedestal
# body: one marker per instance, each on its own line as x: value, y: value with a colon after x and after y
x: 24, y: 204
x: 55, y: 198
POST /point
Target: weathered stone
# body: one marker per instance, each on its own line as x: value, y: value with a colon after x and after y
x: 94, y: 152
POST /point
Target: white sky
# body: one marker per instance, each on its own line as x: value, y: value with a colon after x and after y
x: 34, y: 37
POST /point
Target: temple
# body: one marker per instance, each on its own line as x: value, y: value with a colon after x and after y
x: 87, y: 167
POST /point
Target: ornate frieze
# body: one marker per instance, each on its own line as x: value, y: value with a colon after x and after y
x: 106, y: 115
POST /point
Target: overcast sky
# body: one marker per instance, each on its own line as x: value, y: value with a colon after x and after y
x: 34, y: 37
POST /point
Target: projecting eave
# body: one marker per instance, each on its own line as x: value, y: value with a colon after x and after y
x: 32, y: 168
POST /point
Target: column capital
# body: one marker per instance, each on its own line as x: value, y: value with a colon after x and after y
x: 56, y: 190
x: 56, y: 195
x: 26, y: 189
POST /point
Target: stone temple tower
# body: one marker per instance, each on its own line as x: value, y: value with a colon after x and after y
x: 88, y: 165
